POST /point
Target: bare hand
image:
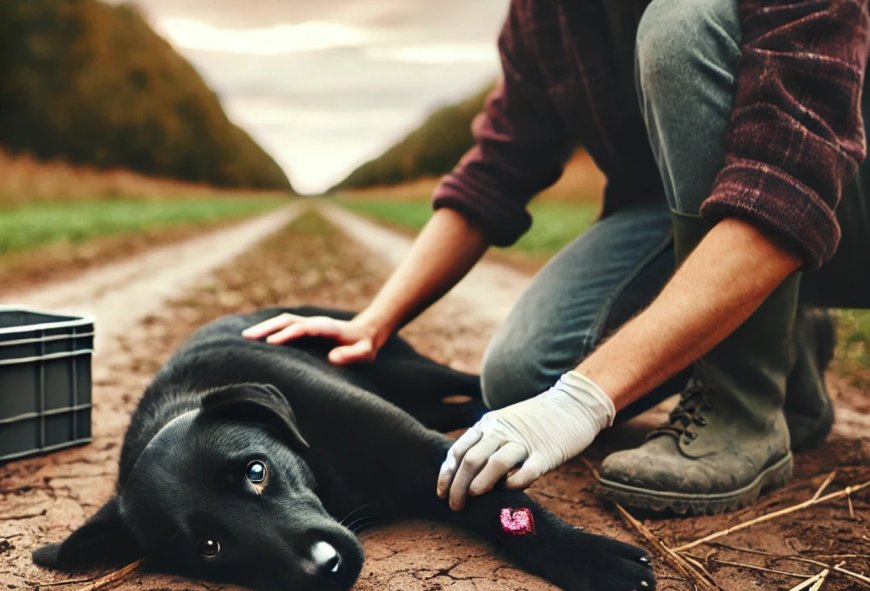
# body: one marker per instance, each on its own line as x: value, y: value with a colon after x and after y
x: 356, y: 339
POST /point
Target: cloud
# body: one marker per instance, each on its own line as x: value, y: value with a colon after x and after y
x: 275, y: 40
x: 324, y: 85
x: 480, y: 53
x: 454, y: 20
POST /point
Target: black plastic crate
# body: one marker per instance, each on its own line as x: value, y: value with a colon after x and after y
x: 45, y: 381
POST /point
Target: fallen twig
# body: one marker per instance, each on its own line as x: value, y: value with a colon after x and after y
x: 675, y: 560
x: 36, y: 585
x: 774, y: 555
x: 814, y: 580
x: 113, y: 577
x: 821, y: 580
x: 589, y: 466
x: 809, y: 503
x: 761, y: 568
x: 837, y: 567
x: 854, y: 575
x: 697, y: 563
x: 825, y: 485
x: 94, y: 583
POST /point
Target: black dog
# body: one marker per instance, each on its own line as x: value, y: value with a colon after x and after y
x: 242, y: 457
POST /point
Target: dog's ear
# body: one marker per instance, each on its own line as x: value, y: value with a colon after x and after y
x: 103, y: 541
x: 262, y: 404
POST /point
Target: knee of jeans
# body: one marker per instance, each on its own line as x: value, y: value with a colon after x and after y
x: 677, y: 39
x: 508, y: 377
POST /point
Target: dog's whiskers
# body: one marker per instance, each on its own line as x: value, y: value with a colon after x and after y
x: 361, y: 523
x: 362, y: 519
x: 364, y: 529
x: 342, y: 520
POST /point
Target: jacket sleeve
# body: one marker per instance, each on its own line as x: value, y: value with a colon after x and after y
x: 521, y: 146
x: 796, y: 133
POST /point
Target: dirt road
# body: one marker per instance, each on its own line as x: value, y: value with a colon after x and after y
x: 120, y: 294
x: 42, y: 499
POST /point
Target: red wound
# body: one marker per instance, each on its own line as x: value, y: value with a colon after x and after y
x: 517, y: 522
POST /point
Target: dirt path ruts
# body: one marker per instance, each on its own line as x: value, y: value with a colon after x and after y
x: 490, y: 289
x: 120, y: 294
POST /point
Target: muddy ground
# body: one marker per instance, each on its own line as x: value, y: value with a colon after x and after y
x: 43, y: 499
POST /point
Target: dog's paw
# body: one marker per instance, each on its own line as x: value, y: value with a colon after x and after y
x: 597, y: 563
x: 620, y: 567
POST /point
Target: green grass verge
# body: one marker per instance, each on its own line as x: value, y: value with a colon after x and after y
x: 854, y: 342
x: 555, y: 223
x: 32, y: 226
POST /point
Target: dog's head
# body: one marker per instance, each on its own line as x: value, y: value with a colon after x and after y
x: 221, y: 493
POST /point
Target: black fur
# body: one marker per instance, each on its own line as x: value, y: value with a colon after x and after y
x: 335, y: 447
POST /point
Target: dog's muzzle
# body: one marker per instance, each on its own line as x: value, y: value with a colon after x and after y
x: 324, y: 560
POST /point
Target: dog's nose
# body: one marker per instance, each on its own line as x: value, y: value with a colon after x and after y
x: 326, y: 558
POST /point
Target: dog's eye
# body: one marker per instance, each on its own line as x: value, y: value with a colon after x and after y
x: 256, y: 472
x: 209, y: 548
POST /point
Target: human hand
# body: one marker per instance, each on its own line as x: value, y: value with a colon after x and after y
x: 537, y: 435
x: 356, y: 339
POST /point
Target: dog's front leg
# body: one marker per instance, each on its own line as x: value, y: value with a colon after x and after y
x: 543, y: 544
x: 535, y: 539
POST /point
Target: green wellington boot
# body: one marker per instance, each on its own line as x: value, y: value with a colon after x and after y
x: 808, y: 408
x: 727, y: 439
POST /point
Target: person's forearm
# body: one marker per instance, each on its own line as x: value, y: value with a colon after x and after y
x: 444, y: 251
x: 717, y: 288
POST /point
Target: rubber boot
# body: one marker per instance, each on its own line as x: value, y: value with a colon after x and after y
x: 727, y: 439
x: 809, y: 411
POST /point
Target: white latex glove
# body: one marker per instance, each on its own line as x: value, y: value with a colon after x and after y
x: 537, y: 435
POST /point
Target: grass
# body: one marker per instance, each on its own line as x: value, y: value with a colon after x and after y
x: 27, y: 227
x: 854, y: 343
x: 559, y: 214
x: 555, y: 223
x: 408, y: 215
x: 57, y: 219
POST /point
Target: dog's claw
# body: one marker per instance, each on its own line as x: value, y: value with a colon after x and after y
x: 644, y: 584
x: 644, y: 559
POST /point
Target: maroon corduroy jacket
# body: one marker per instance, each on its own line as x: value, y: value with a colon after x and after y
x: 795, y: 135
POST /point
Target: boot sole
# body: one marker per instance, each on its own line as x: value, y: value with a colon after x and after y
x: 771, y: 477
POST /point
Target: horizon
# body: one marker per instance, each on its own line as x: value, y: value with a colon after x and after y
x: 326, y: 86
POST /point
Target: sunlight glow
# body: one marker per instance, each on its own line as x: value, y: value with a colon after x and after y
x: 276, y: 40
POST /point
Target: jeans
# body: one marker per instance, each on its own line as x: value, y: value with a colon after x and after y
x: 686, y: 56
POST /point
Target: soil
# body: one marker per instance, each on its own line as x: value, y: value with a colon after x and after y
x: 310, y: 262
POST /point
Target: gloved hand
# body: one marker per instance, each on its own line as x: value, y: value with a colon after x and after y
x: 540, y: 434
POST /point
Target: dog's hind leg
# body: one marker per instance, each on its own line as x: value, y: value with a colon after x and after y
x: 436, y: 395
x: 439, y: 397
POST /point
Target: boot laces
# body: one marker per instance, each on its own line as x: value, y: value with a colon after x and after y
x: 688, y: 413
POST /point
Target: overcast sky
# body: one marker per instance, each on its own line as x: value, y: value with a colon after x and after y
x: 324, y: 85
